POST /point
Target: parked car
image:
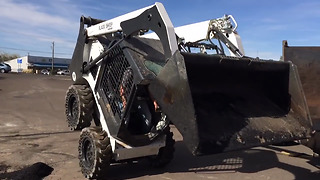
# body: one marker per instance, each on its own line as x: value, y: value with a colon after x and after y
x: 45, y: 71
x: 63, y: 72
x: 5, y: 68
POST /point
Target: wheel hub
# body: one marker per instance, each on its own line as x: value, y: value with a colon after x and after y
x: 89, y: 153
x: 73, y: 107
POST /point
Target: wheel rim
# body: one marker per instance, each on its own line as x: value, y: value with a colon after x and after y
x: 88, y: 153
x: 2, y: 70
x: 73, y: 107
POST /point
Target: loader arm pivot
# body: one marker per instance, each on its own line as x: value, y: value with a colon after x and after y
x: 157, y: 20
x: 153, y: 18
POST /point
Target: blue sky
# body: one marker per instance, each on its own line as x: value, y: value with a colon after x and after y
x: 30, y: 26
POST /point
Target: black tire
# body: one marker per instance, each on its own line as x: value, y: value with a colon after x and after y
x: 79, y: 106
x: 95, y: 153
x: 2, y: 70
x: 166, y: 153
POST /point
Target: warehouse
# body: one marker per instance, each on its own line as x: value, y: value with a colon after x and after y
x: 33, y: 64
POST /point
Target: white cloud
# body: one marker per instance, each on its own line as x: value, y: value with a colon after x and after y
x: 34, y: 25
x: 31, y: 14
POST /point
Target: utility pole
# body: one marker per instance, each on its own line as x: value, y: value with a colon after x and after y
x: 52, y: 61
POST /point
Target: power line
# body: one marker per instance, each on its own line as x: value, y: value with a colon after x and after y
x: 33, y: 50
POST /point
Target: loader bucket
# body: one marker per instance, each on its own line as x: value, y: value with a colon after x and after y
x: 222, y: 103
x: 307, y: 60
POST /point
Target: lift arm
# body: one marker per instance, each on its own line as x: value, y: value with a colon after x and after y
x: 223, y: 29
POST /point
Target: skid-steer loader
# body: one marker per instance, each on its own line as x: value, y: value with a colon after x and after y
x: 133, y: 84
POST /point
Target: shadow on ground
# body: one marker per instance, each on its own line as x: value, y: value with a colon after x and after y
x: 248, y: 161
x: 36, y: 171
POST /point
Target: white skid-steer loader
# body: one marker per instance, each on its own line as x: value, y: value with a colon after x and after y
x: 136, y: 75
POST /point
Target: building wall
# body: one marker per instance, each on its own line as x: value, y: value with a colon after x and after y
x: 37, y: 62
x: 15, y: 67
x: 48, y: 60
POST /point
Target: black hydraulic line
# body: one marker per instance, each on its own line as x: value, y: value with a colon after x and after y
x: 226, y: 41
x: 221, y: 47
x: 89, y: 21
x: 218, y: 50
x: 102, y: 55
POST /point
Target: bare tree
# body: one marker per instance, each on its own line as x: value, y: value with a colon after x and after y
x: 7, y: 56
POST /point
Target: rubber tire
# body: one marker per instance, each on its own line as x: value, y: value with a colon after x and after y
x: 95, y: 153
x: 2, y: 70
x: 79, y: 106
x: 166, y: 153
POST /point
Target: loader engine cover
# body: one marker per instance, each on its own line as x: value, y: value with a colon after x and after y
x: 221, y: 103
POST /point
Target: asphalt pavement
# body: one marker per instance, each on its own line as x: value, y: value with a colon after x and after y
x: 36, y: 143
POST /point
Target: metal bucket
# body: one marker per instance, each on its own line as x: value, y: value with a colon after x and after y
x: 221, y: 103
